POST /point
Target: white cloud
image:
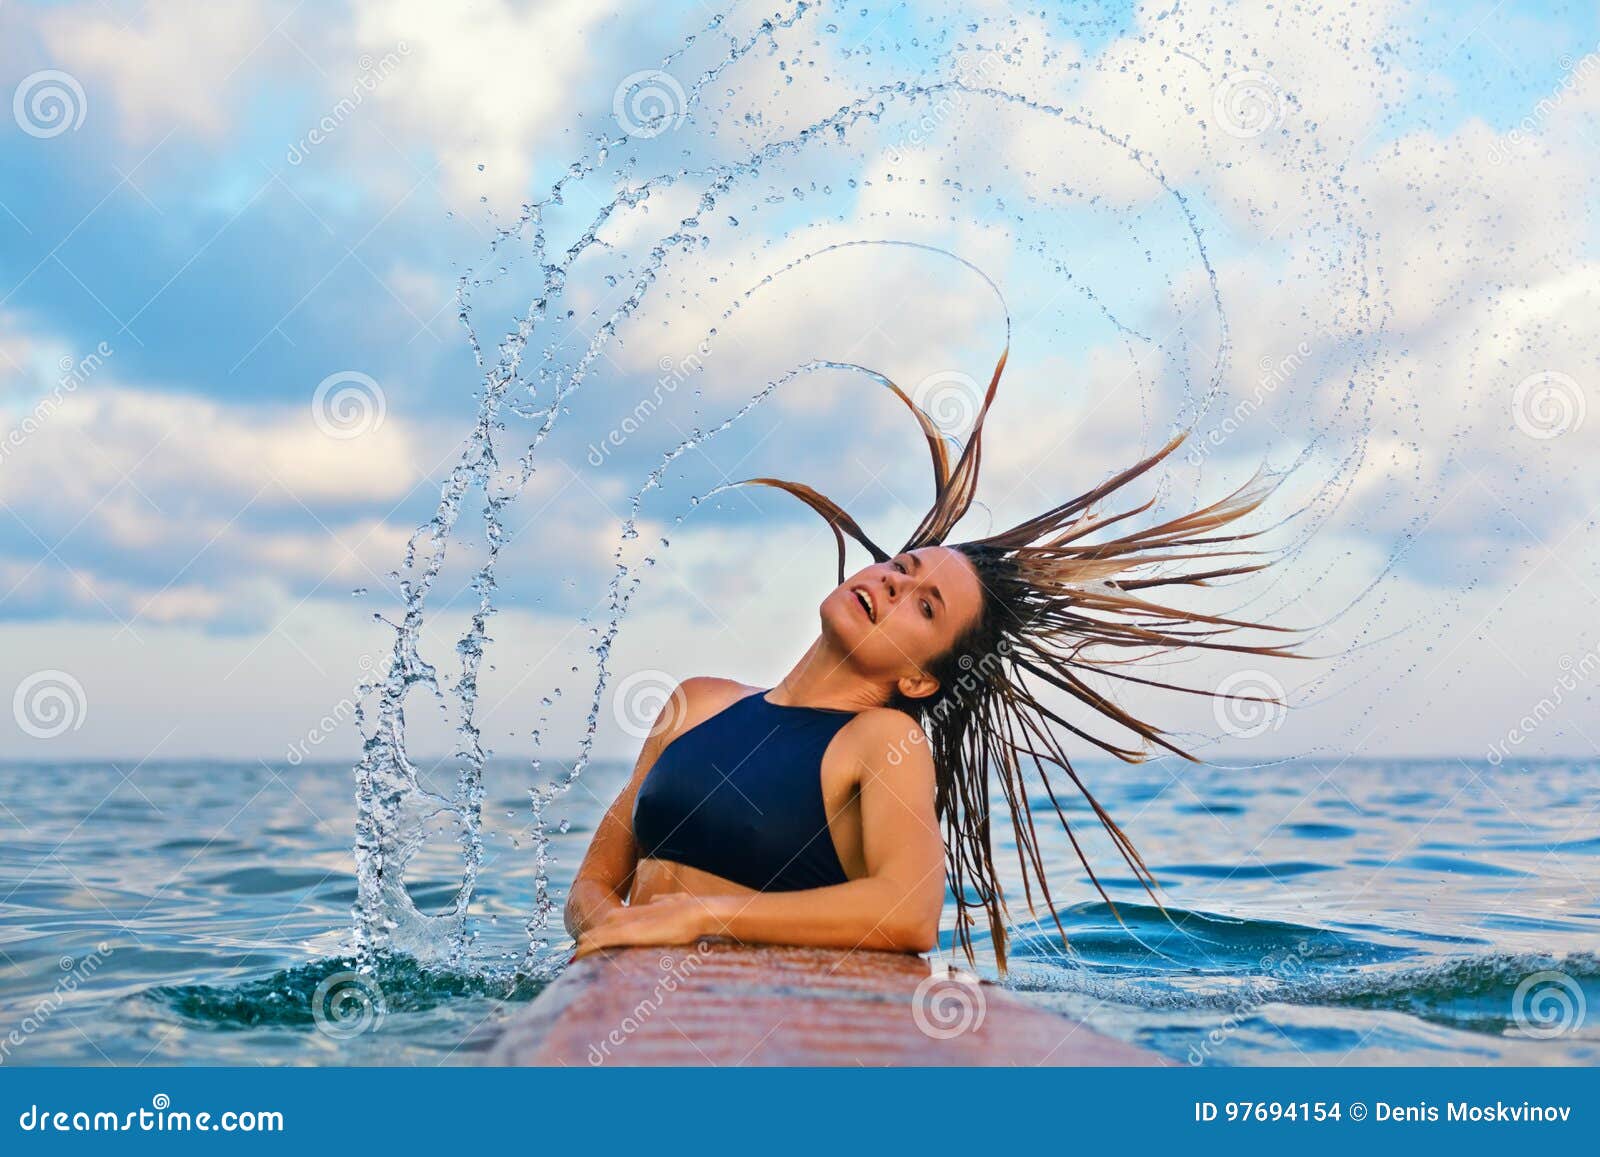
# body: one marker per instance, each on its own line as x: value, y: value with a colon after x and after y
x: 491, y: 84
x: 150, y: 506
x: 172, y: 67
x: 174, y: 446
x: 1486, y: 279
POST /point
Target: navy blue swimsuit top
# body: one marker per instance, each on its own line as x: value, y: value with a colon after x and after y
x: 740, y: 795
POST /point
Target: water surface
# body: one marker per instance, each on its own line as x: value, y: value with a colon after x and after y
x: 1341, y: 912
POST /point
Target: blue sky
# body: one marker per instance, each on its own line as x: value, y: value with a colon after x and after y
x: 181, y: 537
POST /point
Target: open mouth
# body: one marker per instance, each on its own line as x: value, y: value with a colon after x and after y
x: 865, y: 600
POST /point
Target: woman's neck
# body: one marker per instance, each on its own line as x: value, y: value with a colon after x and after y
x: 823, y: 678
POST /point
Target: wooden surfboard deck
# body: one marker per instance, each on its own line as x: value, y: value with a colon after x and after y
x: 721, y: 1003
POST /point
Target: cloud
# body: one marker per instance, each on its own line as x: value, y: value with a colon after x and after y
x: 1334, y: 224
x: 172, y: 68
x: 140, y: 504
x: 175, y: 446
x: 1428, y: 270
x: 492, y: 84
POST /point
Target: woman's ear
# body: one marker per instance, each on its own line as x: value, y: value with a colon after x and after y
x: 918, y: 686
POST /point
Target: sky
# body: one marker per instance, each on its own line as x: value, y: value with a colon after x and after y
x: 233, y: 378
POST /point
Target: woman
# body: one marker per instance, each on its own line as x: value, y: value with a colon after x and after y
x: 834, y: 808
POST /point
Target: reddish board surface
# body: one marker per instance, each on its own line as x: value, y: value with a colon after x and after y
x: 728, y: 1004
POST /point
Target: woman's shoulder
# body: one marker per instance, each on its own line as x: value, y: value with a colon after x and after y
x: 886, y: 737
x: 698, y: 697
x: 704, y: 689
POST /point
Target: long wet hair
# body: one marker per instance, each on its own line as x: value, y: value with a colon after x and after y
x: 1056, y: 607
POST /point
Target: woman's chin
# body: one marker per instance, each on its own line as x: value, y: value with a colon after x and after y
x: 845, y: 622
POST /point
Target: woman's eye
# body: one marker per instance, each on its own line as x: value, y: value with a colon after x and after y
x: 927, y: 609
x: 898, y: 567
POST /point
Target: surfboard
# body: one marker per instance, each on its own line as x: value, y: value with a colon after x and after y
x: 720, y: 1003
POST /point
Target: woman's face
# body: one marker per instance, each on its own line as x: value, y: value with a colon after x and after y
x: 892, y: 618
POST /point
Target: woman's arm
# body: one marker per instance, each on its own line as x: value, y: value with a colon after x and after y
x: 895, y: 906
x: 606, y: 874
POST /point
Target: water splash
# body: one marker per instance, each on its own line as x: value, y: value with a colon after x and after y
x: 720, y: 173
x: 1225, y: 963
x: 287, y: 997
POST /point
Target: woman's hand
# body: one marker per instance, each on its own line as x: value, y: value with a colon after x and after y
x: 675, y: 918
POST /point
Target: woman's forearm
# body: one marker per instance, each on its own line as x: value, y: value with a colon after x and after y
x: 588, y: 902
x: 867, y: 913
